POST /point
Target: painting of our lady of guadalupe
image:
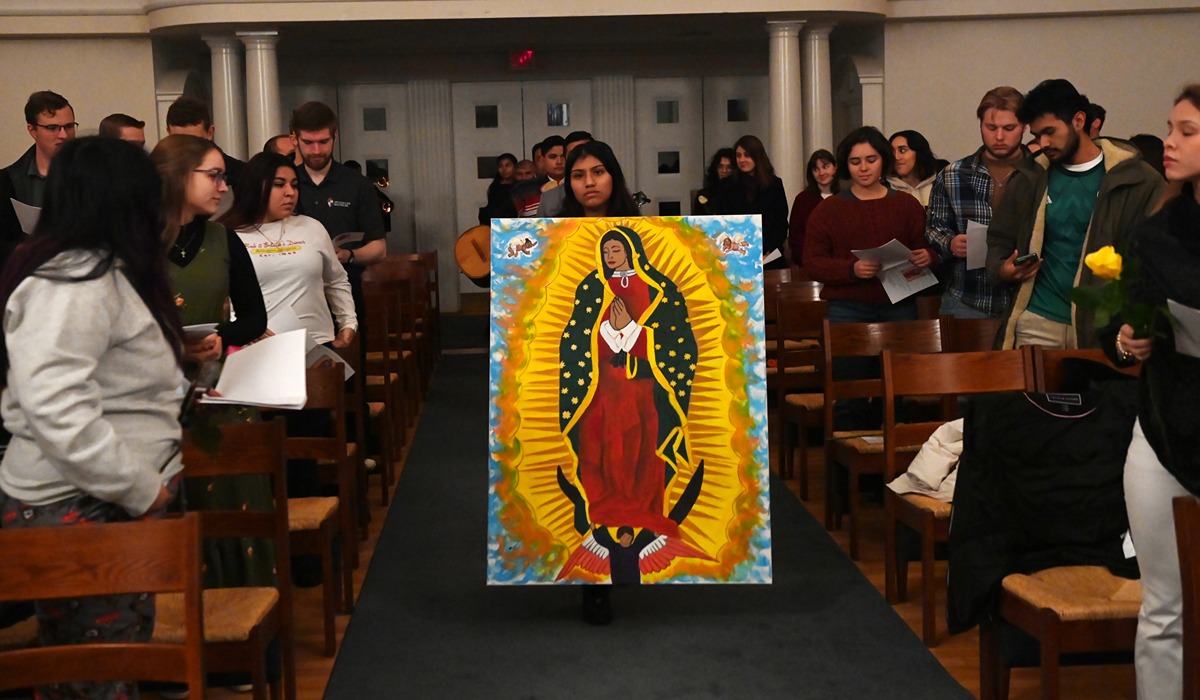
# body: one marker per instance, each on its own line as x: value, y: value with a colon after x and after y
x: 629, y: 402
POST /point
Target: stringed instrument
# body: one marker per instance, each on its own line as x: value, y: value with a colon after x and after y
x: 472, y: 252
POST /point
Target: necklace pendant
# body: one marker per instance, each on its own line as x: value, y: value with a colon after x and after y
x: 183, y: 253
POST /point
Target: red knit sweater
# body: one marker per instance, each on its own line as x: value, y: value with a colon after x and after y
x: 843, y: 223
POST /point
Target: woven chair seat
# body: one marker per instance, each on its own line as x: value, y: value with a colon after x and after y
x: 309, y: 513
x: 375, y: 408
x: 1076, y: 593
x: 856, y: 442
x: 772, y: 344
x: 377, y: 379
x: 939, y: 509
x: 802, y: 369
x: 22, y: 635
x: 812, y: 402
x: 229, y: 614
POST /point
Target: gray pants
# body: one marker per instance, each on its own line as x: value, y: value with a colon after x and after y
x: 1149, y: 488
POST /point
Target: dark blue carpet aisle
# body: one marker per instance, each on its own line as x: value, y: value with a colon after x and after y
x: 426, y: 626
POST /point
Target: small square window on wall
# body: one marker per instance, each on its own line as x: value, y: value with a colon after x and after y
x: 485, y: 167
x: 374, y: 118
x: 487, y: 116
x: 668, y: 209
x: 558, y: 114
x: 668, y: 111
x: 738, y: 110
x: 377, y: 168
x: 668, y: 162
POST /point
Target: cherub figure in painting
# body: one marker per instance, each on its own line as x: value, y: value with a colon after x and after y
x: 627, y: 360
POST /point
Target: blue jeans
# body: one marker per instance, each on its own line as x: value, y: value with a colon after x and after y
x: 863, y: 414
x: 953, y: 306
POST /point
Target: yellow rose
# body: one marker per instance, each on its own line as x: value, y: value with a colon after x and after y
x: 1104, y: 263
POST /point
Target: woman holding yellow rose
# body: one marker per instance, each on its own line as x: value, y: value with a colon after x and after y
x: 1164, y: 454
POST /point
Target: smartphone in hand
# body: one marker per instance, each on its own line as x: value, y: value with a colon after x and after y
x: 1026, y: 259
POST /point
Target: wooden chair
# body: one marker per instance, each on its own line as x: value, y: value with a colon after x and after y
x: 356, y: 437
x: 157, y: 556
x: 1069, y: 610
x: 1187, y: 539
x: 777, y: 276
x: 800, y: 388
x: 383, y: 378
x: 849, y: 449
x: 1049, y: 368
x: 416, y: 316
x: 799, y: 290
x: 315, y: 523
x: 969, y: 334
x: 948, y: 376
x: 241, y: 623
x: 390, y: 291
x: 429, y: 260
x: 928, y: 307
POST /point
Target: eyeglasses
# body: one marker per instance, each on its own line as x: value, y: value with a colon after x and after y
x: 55, y: 128
x: 218, y: 176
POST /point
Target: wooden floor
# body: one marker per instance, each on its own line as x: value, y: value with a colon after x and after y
x: 958, y: 654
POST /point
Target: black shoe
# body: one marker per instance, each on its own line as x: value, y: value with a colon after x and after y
x: 597, y: 609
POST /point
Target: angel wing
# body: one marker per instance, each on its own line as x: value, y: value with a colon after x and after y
x: 659, y: 554
x: 589, y: 556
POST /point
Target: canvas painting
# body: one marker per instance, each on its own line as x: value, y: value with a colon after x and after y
x: 628, y: 417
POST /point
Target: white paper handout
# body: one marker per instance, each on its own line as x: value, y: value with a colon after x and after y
x: 901, y: 279
x: 1186, y: 321
x: 283, y: 319
x: 27, y: 215
x: 269, y: 373
x: 320, y: 352
x: 976, y: 245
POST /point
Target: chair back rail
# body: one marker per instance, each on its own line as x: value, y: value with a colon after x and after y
x: 969, y: 334
x: 1050, y: 370
x: 160, y: 556
x: 1187, y: 538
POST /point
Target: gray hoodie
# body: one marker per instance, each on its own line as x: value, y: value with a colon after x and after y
x: 93, y: 391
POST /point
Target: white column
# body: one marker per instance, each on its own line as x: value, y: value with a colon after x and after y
x: 614, y: 117
x: 818, y: 88
x: 228, y: 94
x: 431, y: 116
x: 871, y: 81
x: 786, y: 146
x: 263, y: 118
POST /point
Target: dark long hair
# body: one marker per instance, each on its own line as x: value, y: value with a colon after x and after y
x: 821, y: 156
x: 252, y: 195
x: 927, y: 164
x: 711, y: 177
x: 764, y: 172
x: 873, y: 138
x: 620, y: 203
x: 102, y: 195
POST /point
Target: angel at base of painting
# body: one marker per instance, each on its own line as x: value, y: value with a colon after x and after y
x: 628, y: 357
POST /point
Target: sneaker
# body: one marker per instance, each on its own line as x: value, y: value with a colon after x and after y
x: 597, y: 609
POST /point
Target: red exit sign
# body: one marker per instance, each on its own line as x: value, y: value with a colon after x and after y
x: 521, y: 59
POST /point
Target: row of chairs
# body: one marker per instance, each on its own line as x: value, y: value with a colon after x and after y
x: 402, y: 343
x: 934, y: 361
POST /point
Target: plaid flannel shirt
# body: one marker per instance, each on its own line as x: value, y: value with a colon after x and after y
x: 960, y: 193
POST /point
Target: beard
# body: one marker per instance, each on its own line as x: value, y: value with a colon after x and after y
x: 1068, y: 151
x: 317, y: 161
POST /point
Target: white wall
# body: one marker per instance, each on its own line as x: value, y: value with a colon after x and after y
x: 97, y: 76
x: 936, y: 72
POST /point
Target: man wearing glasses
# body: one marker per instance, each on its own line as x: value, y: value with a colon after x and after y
x: 51, y: 122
